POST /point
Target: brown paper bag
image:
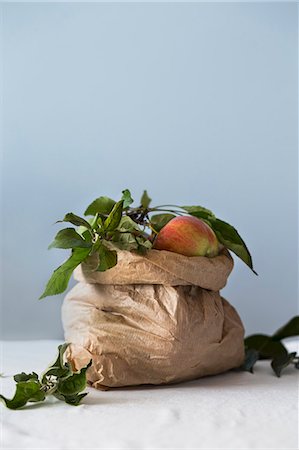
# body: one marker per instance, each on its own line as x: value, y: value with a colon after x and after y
x: 152, y: 319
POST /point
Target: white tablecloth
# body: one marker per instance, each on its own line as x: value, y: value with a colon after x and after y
x: 236, y: 410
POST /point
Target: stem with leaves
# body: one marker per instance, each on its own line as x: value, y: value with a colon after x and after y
x: 58, y: 380
x: 115, y: 225
x: 262, y: 346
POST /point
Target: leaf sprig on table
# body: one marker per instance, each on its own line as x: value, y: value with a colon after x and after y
x: 58, y: 380
x: 262, y: 346
x: 63, y: 383
x: 115, y: 225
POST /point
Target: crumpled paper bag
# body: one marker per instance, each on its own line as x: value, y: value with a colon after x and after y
x: 152, y: 319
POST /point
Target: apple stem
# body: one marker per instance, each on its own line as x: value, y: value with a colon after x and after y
x: 180, y: 213
x: 162, y: 206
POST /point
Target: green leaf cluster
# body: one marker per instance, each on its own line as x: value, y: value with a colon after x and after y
x: 58, y: 380
x: 226, y: 233
x: 262, y: 346
x: 113, y: 225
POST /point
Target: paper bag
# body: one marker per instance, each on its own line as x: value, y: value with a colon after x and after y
x: 152, y: 319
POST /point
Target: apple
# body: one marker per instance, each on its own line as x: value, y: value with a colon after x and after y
x: 189, y: 236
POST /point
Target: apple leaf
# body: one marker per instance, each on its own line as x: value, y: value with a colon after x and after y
x: 127, y: 198
x: 26, y: 391
x: 69, y: 238
x: 96, y: 221
x: 230, y: 238
x: 70, y: 399
x: 75, y: 220
x: 290, y: 329
x: 158, y: 221
x: 101, y: 205
x: 266, y: 347
x: 58, y: 368
x: 113, y: 220
x: 125, y: 241
x: 199, y: 211
x: 61, y: 276
x: 107, y: 258
x: 145, y: 200
x: 251, y: 357
x: 25, y: 376
x: 73, y: 384
x: 143, y: 244
x: 281, y: 362
x: 128, y: 224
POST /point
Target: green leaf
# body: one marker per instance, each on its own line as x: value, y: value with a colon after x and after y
x: 26, y: 391
x: 102, y: 205
x: 69, y: 238
x: 74, y: 399
x: 127, y: 199
x: 96, y: 245
x: 231, y: 239
x: 70, y: 399
x: 86, y: 235
x: 94, y: 221
x: 59, y: 361
x: 125, y: 241
x: 25, y: 376
x: 75, y: 220
x: 143, y: 245
x: 74, y: 384
x: 267, y: 348
x: 128, y: 224
x: 113, y: 220
x: 58, y: 380
x: 145, y: 200
x: 100, y: 222
x: 288, y: 330
x: 158, y: 221
x: 61, y: 276
x: 226, y: 233
x: 251, y: 357
x: 58, y: 368
x: 199, y: 212
x: 107, y: 258
x: 282, y: 361
x: 262, y: 346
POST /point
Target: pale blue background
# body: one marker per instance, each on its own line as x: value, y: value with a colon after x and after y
x: 195, y: 102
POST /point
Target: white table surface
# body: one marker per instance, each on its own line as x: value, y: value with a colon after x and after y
x: 236, y: 410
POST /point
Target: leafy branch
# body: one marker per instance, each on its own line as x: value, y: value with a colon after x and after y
x: 58, y: 380
x: 262, y: 346
x: 115, y: 225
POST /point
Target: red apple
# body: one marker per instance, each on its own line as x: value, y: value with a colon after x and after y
x: 189, y: 236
